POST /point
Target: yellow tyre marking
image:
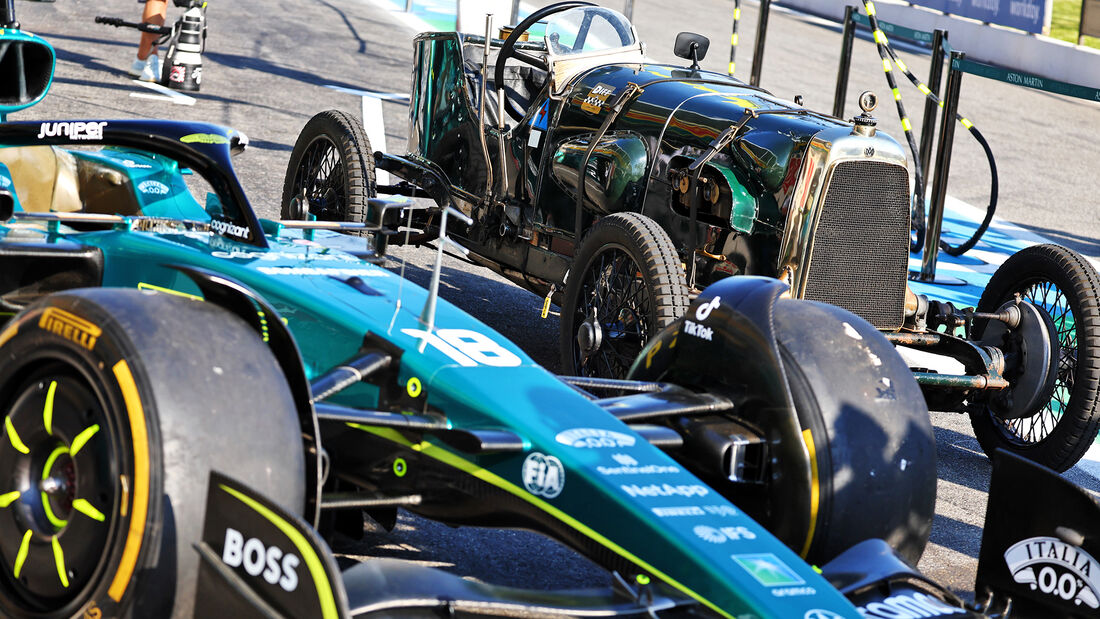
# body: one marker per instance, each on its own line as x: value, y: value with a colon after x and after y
x: 82, y: 438
x: 140, y: 489
x: 59, y: 559
x: 22, y: 555
x: 54, y: 455
x: 13, y: 436
x: 8, y: 334
x: 86, y: 508
x: 9, y: 498
x: 47, y: 410
x: 815, y: 491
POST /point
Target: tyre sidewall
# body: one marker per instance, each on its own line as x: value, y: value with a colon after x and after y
x: 31, y: 345
x: 211, y: 397
x: 872, y: 435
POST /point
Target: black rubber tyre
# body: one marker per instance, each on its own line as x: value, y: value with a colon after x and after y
x: 332, y: 166
x: 1066, y: 286
x: 873, y: 445
x: 626, y: 283
x: 119, y: 404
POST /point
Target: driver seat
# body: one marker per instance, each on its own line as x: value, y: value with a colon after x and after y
x: 45, y: 178
x: 521, y: 83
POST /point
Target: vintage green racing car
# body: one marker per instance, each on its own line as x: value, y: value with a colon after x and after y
x: 620, y: 188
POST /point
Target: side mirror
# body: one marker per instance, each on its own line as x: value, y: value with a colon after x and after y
x: 26, y: 70
x: 7, y: 205
x: 691, y: 46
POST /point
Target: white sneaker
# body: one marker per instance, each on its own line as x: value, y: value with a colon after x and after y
x: 147, y: 70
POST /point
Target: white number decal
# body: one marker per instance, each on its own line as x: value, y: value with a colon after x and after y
x: 467, y: 348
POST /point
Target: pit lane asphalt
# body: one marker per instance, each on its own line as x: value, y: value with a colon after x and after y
x: 266, y: 68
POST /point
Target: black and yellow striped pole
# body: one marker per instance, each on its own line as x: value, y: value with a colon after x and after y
x: 882, y: 44
x: 733, y: 37
x: 758, y: 48
x: 890, y: 59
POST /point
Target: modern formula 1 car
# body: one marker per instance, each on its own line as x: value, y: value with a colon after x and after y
x: 191, y: 394
x: 690, y: 177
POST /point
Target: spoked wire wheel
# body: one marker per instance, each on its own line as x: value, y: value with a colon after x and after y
x: 613, y: 314
x: 625, y: 284
x: 1062, y: 284
x: 60, y: 491
x: 331, y: 171
x: 321, y: 179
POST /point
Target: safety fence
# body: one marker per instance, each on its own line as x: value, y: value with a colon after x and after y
x: 959, y: 65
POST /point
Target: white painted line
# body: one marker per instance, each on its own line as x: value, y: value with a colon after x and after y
x: 396, y: 97
x: 149, y: 95
x: 174, y: 96
x: 375, y: 128
x: 409, y: 20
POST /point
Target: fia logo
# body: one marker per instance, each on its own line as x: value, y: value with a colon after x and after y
x: 543, y: 475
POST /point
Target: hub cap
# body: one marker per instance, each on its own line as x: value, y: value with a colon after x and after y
x: 320, y: 176
x: 1029, y: 430
x: 612, y: 315
x: 56, y: 493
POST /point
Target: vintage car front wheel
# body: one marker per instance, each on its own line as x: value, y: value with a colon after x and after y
x: 331, y: 171
x: 625, y: 284
x: 1060, y: 282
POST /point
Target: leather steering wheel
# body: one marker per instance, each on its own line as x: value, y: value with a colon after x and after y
x: 508, y: 50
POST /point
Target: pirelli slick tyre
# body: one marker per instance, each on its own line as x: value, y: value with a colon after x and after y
x: 867, y: 431
x: 331, y: 171
x: 118, y: 405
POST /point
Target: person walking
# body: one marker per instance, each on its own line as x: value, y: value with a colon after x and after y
x: 146, y: 66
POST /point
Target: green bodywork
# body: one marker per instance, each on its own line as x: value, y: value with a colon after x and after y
x: 625, y: 503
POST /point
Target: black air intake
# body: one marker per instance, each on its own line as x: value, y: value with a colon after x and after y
x: 860, y: 256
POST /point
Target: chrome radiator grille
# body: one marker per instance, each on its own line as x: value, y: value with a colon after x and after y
x: 860, y: 256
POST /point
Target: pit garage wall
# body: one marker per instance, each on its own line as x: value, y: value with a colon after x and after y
x: 1041, y: 55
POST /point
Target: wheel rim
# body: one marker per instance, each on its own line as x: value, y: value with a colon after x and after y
x: 320, y: 181
x: 1031, y: 430
x: 58, y: 495
x: 611, y: 315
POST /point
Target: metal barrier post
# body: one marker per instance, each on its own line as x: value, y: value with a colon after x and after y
x: 628, y: 10
x: 7, y: 14
x: 943, y: 168
x: 845, y: 62
x: 758, y: 50
x: 928, y: 126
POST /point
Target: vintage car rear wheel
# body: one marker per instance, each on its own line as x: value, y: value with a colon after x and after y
x: 625, y: 284
x: 1060, y: 282
x: 119, y: 404
x: 331, y: 171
